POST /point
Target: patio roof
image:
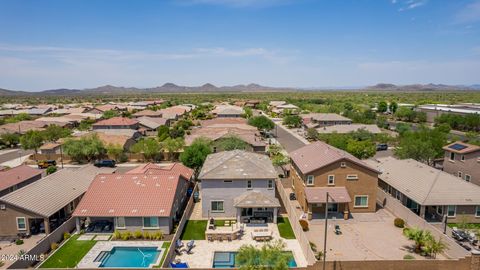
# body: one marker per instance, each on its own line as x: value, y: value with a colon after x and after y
x: 255, y: 198
x: 319, y: 194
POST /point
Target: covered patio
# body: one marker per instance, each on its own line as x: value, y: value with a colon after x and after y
x: 256, y: 207
x: 338, y: 200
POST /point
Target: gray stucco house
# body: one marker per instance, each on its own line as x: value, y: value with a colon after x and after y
x: 239, y: 184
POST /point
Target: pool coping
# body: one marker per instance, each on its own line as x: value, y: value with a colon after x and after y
x: 88, y: 260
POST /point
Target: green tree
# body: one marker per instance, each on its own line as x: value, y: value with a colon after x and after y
x: 177, y: 132
x: 110, y: 114
x: 419, y: 236
x: 382, y: 106
x: 194, y: 155
x: 172, y: 146
x: 312, y: 134
x: 348, y: 107
x: 163, y: 133
x: 17, y: 118
x: 87, y: 148
x: 53, y: 132
x: 150, y: 148
x: 32, y: 139
x: 261, y: 122
x: 86, y: 124
x: 269, y: 256
x: 115, y: 151
x: 423, y: 145
x: 10, y: 139
x: 247, y: 112
x: 393, y: 106
x: 361, y: 149
x: 433, y: 247
x: 51, y: 169
x: 229, y: 143
x: 292, y: 121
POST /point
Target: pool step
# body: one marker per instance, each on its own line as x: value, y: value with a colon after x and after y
x: 101, y: 256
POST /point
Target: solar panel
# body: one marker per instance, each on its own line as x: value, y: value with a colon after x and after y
x: 457, y: 146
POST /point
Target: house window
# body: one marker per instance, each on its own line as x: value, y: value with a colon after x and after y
x: 468, y: 177
x: 352, y: 176
x: 331, y: 180
x: 452, y: 156
x: 150, y: 222
x: 460, y: 174
x: 120, y: 222
x: 3, y: 207
x: 21, y: 223
x: 310, y: 180
x: 361, y: 201
x: 270, y: 184
x: 451, y: 210
x: 227, y: 181
x: 462, y: 157
x: 249, y: 184
x: 71, y: 207
x: 439, y: 210
x: 217, y: 206
x: 343, y: 164
x: 477, y: 211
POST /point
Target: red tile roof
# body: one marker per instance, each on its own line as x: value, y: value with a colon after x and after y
x: 17, y: 175
x: 129, y: 195
x: 116, y: 121
x: 168, y: 169
x: 317, y: 155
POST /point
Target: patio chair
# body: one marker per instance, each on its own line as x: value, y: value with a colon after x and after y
x: 210, y: 238
x: 178, y: 243
x: 189, y: 249
x: 191, y: 243
x: 229, y: 238
x: 337, y: 230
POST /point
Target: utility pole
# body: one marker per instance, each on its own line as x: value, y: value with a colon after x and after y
x: 325, y: 236
x: 446, y: 222
x: 61, y: 154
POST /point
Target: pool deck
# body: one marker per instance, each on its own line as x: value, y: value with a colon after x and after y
x: 88, y: 260
x: 203, y: 251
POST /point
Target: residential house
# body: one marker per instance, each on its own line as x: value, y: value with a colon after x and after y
x: 463, y: 160
x: 50, y: 148
x: 147, y: 113
x: 239, y: 184
x: 149, y: 198
x: 107, y: 107
x: 149, y: 125
x: 46, y: 203
x: 23, y: 126
x: 175, y: 112
x: 343, y: 129
x: 116, y: 123
x: 286, y: 108
x: 316, y: 120
x: 18, y: 177
x: 226, y: 110
x: 318, y: 169
x: 430, y: 193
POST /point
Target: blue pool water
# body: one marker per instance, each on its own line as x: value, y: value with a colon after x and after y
x: 227, y: 260
x: 138, y: 257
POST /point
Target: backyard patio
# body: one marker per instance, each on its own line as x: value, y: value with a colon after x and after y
x: 203, y: 252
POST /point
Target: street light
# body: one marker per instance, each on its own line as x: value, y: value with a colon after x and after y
x: 325, y: 236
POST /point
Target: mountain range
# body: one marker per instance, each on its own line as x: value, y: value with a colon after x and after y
x: 210, y: 88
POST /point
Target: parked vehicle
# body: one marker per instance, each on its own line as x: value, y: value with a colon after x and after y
x: 382, y: 147
x: 43, y: 164
x: 105, y: 163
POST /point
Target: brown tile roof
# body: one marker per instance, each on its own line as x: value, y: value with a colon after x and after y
x: 49, y: 146
x: 116, y: 121
x: 335, y: 194
x: 325, y: 117
x: 24, y: 126
x: 215, y: 133
x: 223, y: 121
x: 317, y: 155
x: 465, y: 147
x: 148, y: 113
x: 110, y: 139
x: 342, y: 129
x: 17, y: 175
x: 163, y: 169
x: 108, y: 107
x: 129, y: 195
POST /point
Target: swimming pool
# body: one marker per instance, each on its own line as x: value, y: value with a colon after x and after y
x: 137, y: 257
x: 227, y: 260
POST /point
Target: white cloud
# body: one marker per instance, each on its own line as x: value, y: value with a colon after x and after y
x: 412, y: 4
x: 469, y: 14
x: 394, y: 1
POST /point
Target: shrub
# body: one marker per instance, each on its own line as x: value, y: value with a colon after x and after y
x: 19, y: 242
x: 117, y: 235
x: 399, y: 223
x: 304, y: 224
x: 313, y: 247
x: 82, y: 231
x: 51, y: 169
x: 2, y: 263
x: 53, y: 246
x: 158, y: 235
x: 66, y: 235
x: 126, y: 235
x: 146, y: 235
x: 138, y: 234
x: 408, y: 257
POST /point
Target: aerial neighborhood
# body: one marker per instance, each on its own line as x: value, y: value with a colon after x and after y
x: 194, y: 184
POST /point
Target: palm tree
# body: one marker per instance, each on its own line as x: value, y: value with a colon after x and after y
x: 433, y: 247
x: 419, y: 236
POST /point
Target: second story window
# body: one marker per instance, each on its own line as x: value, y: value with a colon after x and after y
x: 468, y: 178
x: 310, y: 180
x: 452, y: 156
x: 270, y: 184
x: 249, y: 184
x: 331, y: 180
x: 460, y: 174
x: 462, y: 157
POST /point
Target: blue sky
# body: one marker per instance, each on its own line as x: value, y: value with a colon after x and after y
x: 299, y: 43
